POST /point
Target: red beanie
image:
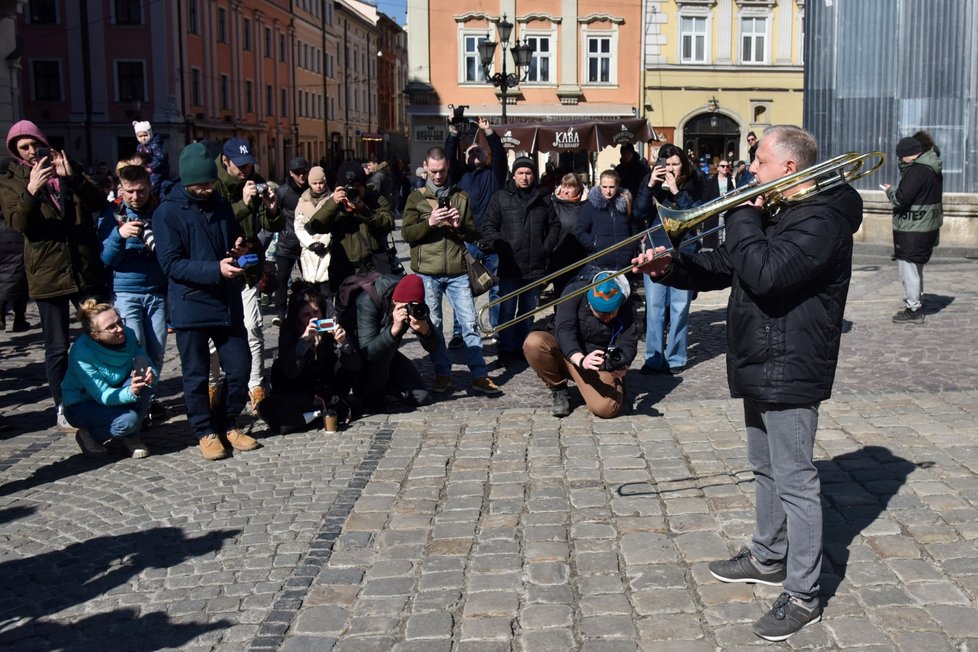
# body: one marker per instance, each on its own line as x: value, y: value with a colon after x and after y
x: 409, y: 289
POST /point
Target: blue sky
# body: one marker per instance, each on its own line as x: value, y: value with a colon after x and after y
x: 396, y: 9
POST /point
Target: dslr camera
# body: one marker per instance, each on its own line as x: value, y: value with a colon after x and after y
x: 349, y: 186
x: 465, y: 126
x: 145, y: 234
x: 418, y: 310
x: 261, y: 188
x: 614, y: 359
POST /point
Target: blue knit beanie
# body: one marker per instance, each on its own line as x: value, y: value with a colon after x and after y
x: 607, y: 296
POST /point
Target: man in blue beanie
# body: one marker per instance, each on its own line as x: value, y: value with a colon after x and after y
x: 199, y: 243
x: 595, y: 340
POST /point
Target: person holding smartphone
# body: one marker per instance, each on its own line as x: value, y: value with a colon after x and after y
x: 46, y: 197
x: 109, y: 383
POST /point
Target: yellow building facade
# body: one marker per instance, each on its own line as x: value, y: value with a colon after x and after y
x: 715, y: 70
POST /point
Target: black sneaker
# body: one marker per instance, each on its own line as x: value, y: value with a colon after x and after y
x: 456, y: 342
x: 743, y: 568
x: 561, y: 402
x: 787, y: 616
x: 908, y: 316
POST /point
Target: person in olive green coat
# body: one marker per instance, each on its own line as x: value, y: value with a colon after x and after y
x: 46, y: 197
x: 437, y: 224
x: 255, y: 209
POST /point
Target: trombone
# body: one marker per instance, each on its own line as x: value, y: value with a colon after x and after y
x: 824, y: 176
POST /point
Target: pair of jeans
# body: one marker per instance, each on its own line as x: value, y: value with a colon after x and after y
x: 55, y: 317
x: 459, y: 294
x: 145, y: 314
x: 511, y: 339
x: 256, y: 340
x: 662, y: 352
x: 780, y: 446
x: 491, y: 263
x: 912, y: 277
x: 235, y: 358
x: 104, y: 422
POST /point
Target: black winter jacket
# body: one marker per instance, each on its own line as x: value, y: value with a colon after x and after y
x: 287, y: 196
x: 604, y: 223
x: 918, y: 211
x: 192, y: 237
x: 578, y: 330
x: 789, y: 278
x: 373, y: 324
x: 524, y: 229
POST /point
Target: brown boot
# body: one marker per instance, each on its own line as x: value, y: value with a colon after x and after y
x: 211, y: 447
x: 240, y: 441
x: 257, y: 396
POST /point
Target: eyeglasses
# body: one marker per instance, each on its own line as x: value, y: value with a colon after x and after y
x: 723, y: 165
x: 114, y: 326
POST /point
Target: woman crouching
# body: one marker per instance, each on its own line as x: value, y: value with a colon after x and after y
x: 109, y: 383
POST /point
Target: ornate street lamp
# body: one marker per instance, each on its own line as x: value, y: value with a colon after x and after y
x: 522, y: 53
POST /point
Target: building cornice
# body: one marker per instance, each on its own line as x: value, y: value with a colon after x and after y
x: 595, y: 18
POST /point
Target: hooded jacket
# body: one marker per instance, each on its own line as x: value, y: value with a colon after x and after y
x: 99, y: 373
x: 524, y: 228
x: 61, y: 247
x: 604, y: 223
x: 192, y: 237
x: 437, y: 250
x: 313, y: 267
x: 789, y: 279
x: 917, y: 209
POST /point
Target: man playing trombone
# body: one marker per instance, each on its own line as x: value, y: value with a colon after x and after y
x: 789, y: 272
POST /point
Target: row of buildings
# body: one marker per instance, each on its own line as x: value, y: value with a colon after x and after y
x: 317, y: 78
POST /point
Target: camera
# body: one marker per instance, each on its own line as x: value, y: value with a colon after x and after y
x: 325, y: 325
x: 614, y: 359
x: 350, y: 188
x: 418, y: 310
x: 145, y: 234
x: 465, y: 126
x: 246, y: 261
x: 261, y: 188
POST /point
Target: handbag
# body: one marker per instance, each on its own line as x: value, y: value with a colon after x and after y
x: 480, y: 278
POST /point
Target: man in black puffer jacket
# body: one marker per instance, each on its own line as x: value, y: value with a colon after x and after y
x: 287, y: 248
x: 522, y: 225
x: 789, y: 276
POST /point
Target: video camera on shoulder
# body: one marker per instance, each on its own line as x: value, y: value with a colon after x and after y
x: 465, y: 126
x: 418, y: 310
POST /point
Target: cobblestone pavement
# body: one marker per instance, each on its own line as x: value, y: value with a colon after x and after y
x: 486, y: 524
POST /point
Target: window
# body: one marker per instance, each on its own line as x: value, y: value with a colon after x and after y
x: 599, y: 60
x: 542, y: 62
x: 285, y: 104
x: 692, y: 36
x: 47, y: 81
x: 249, y: 96
x: 471, y: 63
x: 128, y: 12
x: 268, y: 43
x: 222, y: 25
x: 225, y: 92
x: 129, y: 77
x: 195, y: 97
x: 246, y: 33
x: 282, y: 56
x: 753, y: 40
x: 43, y: 12
x: 193, y: 22
x: 269, y: 100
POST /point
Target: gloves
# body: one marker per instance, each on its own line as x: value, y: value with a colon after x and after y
x: 485, y: 246
x: 318, y: 248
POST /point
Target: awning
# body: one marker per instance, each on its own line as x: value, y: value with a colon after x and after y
x: 591, y: 136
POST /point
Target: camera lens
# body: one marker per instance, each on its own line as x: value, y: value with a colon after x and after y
x: 418, y: 310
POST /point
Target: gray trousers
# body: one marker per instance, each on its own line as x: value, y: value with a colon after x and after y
x: 780, y: 444
x: 912, y: 277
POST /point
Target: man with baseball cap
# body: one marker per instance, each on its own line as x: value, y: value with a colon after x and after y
x: 255, y: 208
x: 288, y: 248
x: 594, y: 341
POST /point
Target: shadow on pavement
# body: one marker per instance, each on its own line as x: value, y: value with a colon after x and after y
x: 53, y: 581
x: 934, y: 303
x: 856, y: 489
x: 15, y: 513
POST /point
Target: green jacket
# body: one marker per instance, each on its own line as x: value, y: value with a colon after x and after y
x: 917, y: 206
x: 252, y: 218
x: 437, y: 250
x: 360, y: 233
x: 61, y: 247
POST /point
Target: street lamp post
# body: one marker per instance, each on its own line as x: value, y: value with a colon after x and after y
x: 522, y: 53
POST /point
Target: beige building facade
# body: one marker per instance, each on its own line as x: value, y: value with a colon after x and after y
x: 718, y: 69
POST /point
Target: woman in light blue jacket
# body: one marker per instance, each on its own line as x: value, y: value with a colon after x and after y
x: 109, y: 383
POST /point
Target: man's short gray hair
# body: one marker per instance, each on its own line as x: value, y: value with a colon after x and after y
x: 791, y: 143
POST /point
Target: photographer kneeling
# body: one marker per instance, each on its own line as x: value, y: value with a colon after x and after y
x: 595, y: 341
x: 385, y: 313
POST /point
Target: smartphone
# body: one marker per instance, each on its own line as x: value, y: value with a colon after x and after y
x: 44, y: 152
x: 660, y: 162
x: 325, y: 325
x: 882, y: 187
x: 444, y: 202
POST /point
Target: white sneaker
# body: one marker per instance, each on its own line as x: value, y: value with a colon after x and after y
x: 137, y: 449
x: 62, y: 422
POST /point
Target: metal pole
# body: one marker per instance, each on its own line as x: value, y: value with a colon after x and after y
x: 504, y: 86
